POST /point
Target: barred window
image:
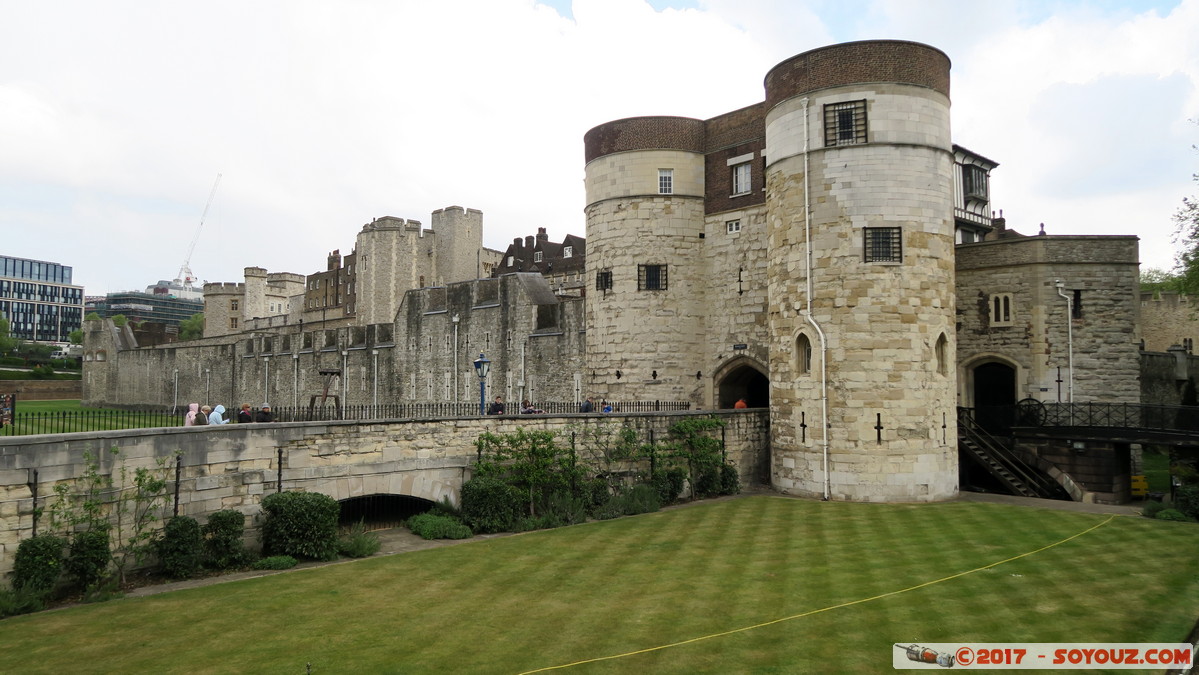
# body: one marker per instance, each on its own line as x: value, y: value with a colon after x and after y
x: 882, y: 244
x: 651, y: 277
x: 845, y: 123
x: 603, y: 280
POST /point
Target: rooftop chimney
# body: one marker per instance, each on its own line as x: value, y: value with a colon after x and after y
x: 541, y: 235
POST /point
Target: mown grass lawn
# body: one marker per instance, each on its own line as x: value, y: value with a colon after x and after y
x: 604, y: 589
x: 67, y: 415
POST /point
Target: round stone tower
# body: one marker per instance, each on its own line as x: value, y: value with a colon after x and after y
x: 859, y: 197
x: 645, y: 223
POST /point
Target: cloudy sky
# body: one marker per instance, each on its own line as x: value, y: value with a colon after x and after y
x: 116, y: 117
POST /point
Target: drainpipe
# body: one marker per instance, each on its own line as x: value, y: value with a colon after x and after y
x: 175, y: 396
x: 295, y: 379
x: 1069, y: 336
x: 807, y: 312
x: 455, y: 320
x: 266, y: 379
x: 344, y: 378
x: 375, y: 382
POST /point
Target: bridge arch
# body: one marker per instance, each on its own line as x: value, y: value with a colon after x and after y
x: 742, y: 377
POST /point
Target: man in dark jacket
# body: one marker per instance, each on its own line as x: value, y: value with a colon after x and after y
x: 496, y: 408
x: 264, y: 414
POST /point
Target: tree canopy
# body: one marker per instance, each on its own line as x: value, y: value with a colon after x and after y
x: 1186, y: 218
x: 193, y: 328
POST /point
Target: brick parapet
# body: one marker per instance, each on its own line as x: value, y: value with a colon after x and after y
x: 855, y: 63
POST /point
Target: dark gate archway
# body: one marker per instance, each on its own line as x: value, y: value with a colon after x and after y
x: 994, y: 394
x: 745, y: 382
x: 380, y: 512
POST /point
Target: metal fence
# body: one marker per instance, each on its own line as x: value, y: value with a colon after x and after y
x: 1030, y: 413
x: 71, y: 421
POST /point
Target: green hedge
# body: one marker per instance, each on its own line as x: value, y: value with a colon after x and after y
x: 88, y: 560
x: 434, y: 526
x: 223, y: 547
x: 491, y: 505
x: 300, y: 524
x: 38, y: 564
x: 180, y: 548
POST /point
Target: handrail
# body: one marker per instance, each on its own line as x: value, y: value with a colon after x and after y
x: 1012, y: 462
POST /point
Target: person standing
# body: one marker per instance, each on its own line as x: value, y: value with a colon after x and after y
x: 217, y: 416
x: 243, y: 415
x: 588, y: 406
x: 740, y: 404
x: 496, y: 408
x: 193, y: 410
x: 202, y: 418
x: 264, y: 414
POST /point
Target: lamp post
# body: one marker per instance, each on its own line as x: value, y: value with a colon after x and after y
x: 482, y: 365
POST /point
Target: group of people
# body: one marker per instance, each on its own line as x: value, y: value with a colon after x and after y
x: 198, y: 415
x: 527, y: 408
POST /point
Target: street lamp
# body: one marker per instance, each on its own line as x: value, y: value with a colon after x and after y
x: 482, y: 365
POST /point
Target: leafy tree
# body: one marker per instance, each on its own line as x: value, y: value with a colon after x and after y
x: 1159, y: 280
x: 119, y: 319
x: 7, y: 343
x: 92, y: 316
x: 1187, y: 236
x: 529, y: 460
x: 193, y: 328
x: 75, y: 337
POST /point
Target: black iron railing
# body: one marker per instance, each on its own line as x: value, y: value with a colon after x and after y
x: 72, y: 421
x: 1032, y: 413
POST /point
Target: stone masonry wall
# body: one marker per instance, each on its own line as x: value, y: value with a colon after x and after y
x: 1168, y: 319
x: 233, y: 467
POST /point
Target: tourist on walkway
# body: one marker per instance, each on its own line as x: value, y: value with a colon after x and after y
x: 588, y: 406
x: 264, y: 414
x: 193, y: 409
x: 740, y: 404
x: 243, y: 415
x: 496, y: 408
x: 217, y: 416
x: 202, y: 418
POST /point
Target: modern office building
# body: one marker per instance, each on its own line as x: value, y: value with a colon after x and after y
x: 139, y: 307
x: 39, y: 300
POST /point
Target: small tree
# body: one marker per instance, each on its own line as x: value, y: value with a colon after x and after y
x: 529, y: 460
x: 75, y: 337
x: 7, y: 343
x: 193, y: 328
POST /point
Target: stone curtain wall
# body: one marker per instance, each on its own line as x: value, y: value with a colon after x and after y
x: 233, y: 467
x: 1167, y: 319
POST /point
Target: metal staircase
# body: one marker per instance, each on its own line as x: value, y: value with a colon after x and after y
x: 993, y: 455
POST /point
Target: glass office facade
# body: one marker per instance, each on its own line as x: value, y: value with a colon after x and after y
x: 38, y: 299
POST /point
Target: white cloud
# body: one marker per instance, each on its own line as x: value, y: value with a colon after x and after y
x: 116, y: 117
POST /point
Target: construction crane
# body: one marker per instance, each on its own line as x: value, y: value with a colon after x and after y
x: 186, y: 277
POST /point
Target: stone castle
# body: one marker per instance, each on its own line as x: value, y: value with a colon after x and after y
x: 827, y: 253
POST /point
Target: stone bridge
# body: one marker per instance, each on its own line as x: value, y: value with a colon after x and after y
x: 234, y: 466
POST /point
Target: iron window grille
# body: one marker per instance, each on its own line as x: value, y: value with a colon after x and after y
x: 845, y: 123
x: 651, y: 277
x: 882, y: 244
x: 603, y: 280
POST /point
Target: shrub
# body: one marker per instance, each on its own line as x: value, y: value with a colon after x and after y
x: 38, y: 564
x: 560, y: 507
x: 708, y: 482
x: 490, y: 505
x: 641, y: 498
x: 300, y: 524
x: 359, y: 543
x: 433, y: 526
x: 276, y: 562
x: 1186, y: 499
x: 42, y: 372
x: 180, y: 547
x: 669, y: 484
x: 730, y: 483
x: 1175, y: 515
x: 446, y: 508
x: 20, y: 601
x: 88, y: 560
x: 1151, y: 509
x: 223, y: 547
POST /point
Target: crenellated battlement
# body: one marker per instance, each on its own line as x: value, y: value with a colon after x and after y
x: 224, y: 287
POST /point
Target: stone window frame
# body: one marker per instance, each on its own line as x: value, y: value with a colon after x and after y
x: 665, y: 181
x: 803, y: 354
x: 732, y: 226
x: 941, y: 354
x: 882, y: 244
x: 652, y: 277
x: 1000, y: 308
x: 233, y: 322
x: 233, y: 305
x: 845, y: 123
